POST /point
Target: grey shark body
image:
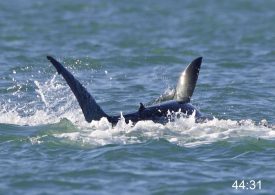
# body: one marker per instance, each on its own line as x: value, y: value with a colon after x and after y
x: 178, y: 101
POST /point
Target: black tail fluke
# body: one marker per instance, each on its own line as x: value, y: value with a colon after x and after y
x: 90, y: 108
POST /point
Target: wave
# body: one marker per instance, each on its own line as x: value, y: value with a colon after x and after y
x: 52, y: 105
x: 182, y: 131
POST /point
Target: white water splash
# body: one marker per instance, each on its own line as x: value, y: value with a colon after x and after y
x: 40, y: 92
x: 60, y: 103
x: 183, y: 131
x: 57, y: 102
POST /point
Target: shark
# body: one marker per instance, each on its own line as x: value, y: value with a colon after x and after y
x: 177, y: 101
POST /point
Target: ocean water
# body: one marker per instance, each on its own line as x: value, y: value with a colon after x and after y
x: 127, y: 52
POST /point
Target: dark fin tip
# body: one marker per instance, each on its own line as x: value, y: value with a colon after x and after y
x: 56, y: 64
x: 141, y: 107
x: 49, y: 57
x: 198, y: 60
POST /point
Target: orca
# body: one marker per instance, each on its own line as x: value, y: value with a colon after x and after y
x: 177, y: 101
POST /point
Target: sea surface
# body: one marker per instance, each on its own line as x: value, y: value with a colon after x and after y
x: 124, y: 53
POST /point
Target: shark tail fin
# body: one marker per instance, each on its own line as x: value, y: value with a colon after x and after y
x: 187, y: 81
x: 90, y: 108
x: 185, y: 86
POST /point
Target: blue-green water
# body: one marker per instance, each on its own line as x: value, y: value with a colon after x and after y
x: 127, y: 52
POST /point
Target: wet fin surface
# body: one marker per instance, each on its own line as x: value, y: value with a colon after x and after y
x: 166, y: 96
x: 185, y: 86
x: 141, y: 107
x: 90, y: 108
x: 187, y: 81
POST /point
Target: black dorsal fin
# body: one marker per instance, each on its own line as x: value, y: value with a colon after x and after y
x: 141, y: 107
